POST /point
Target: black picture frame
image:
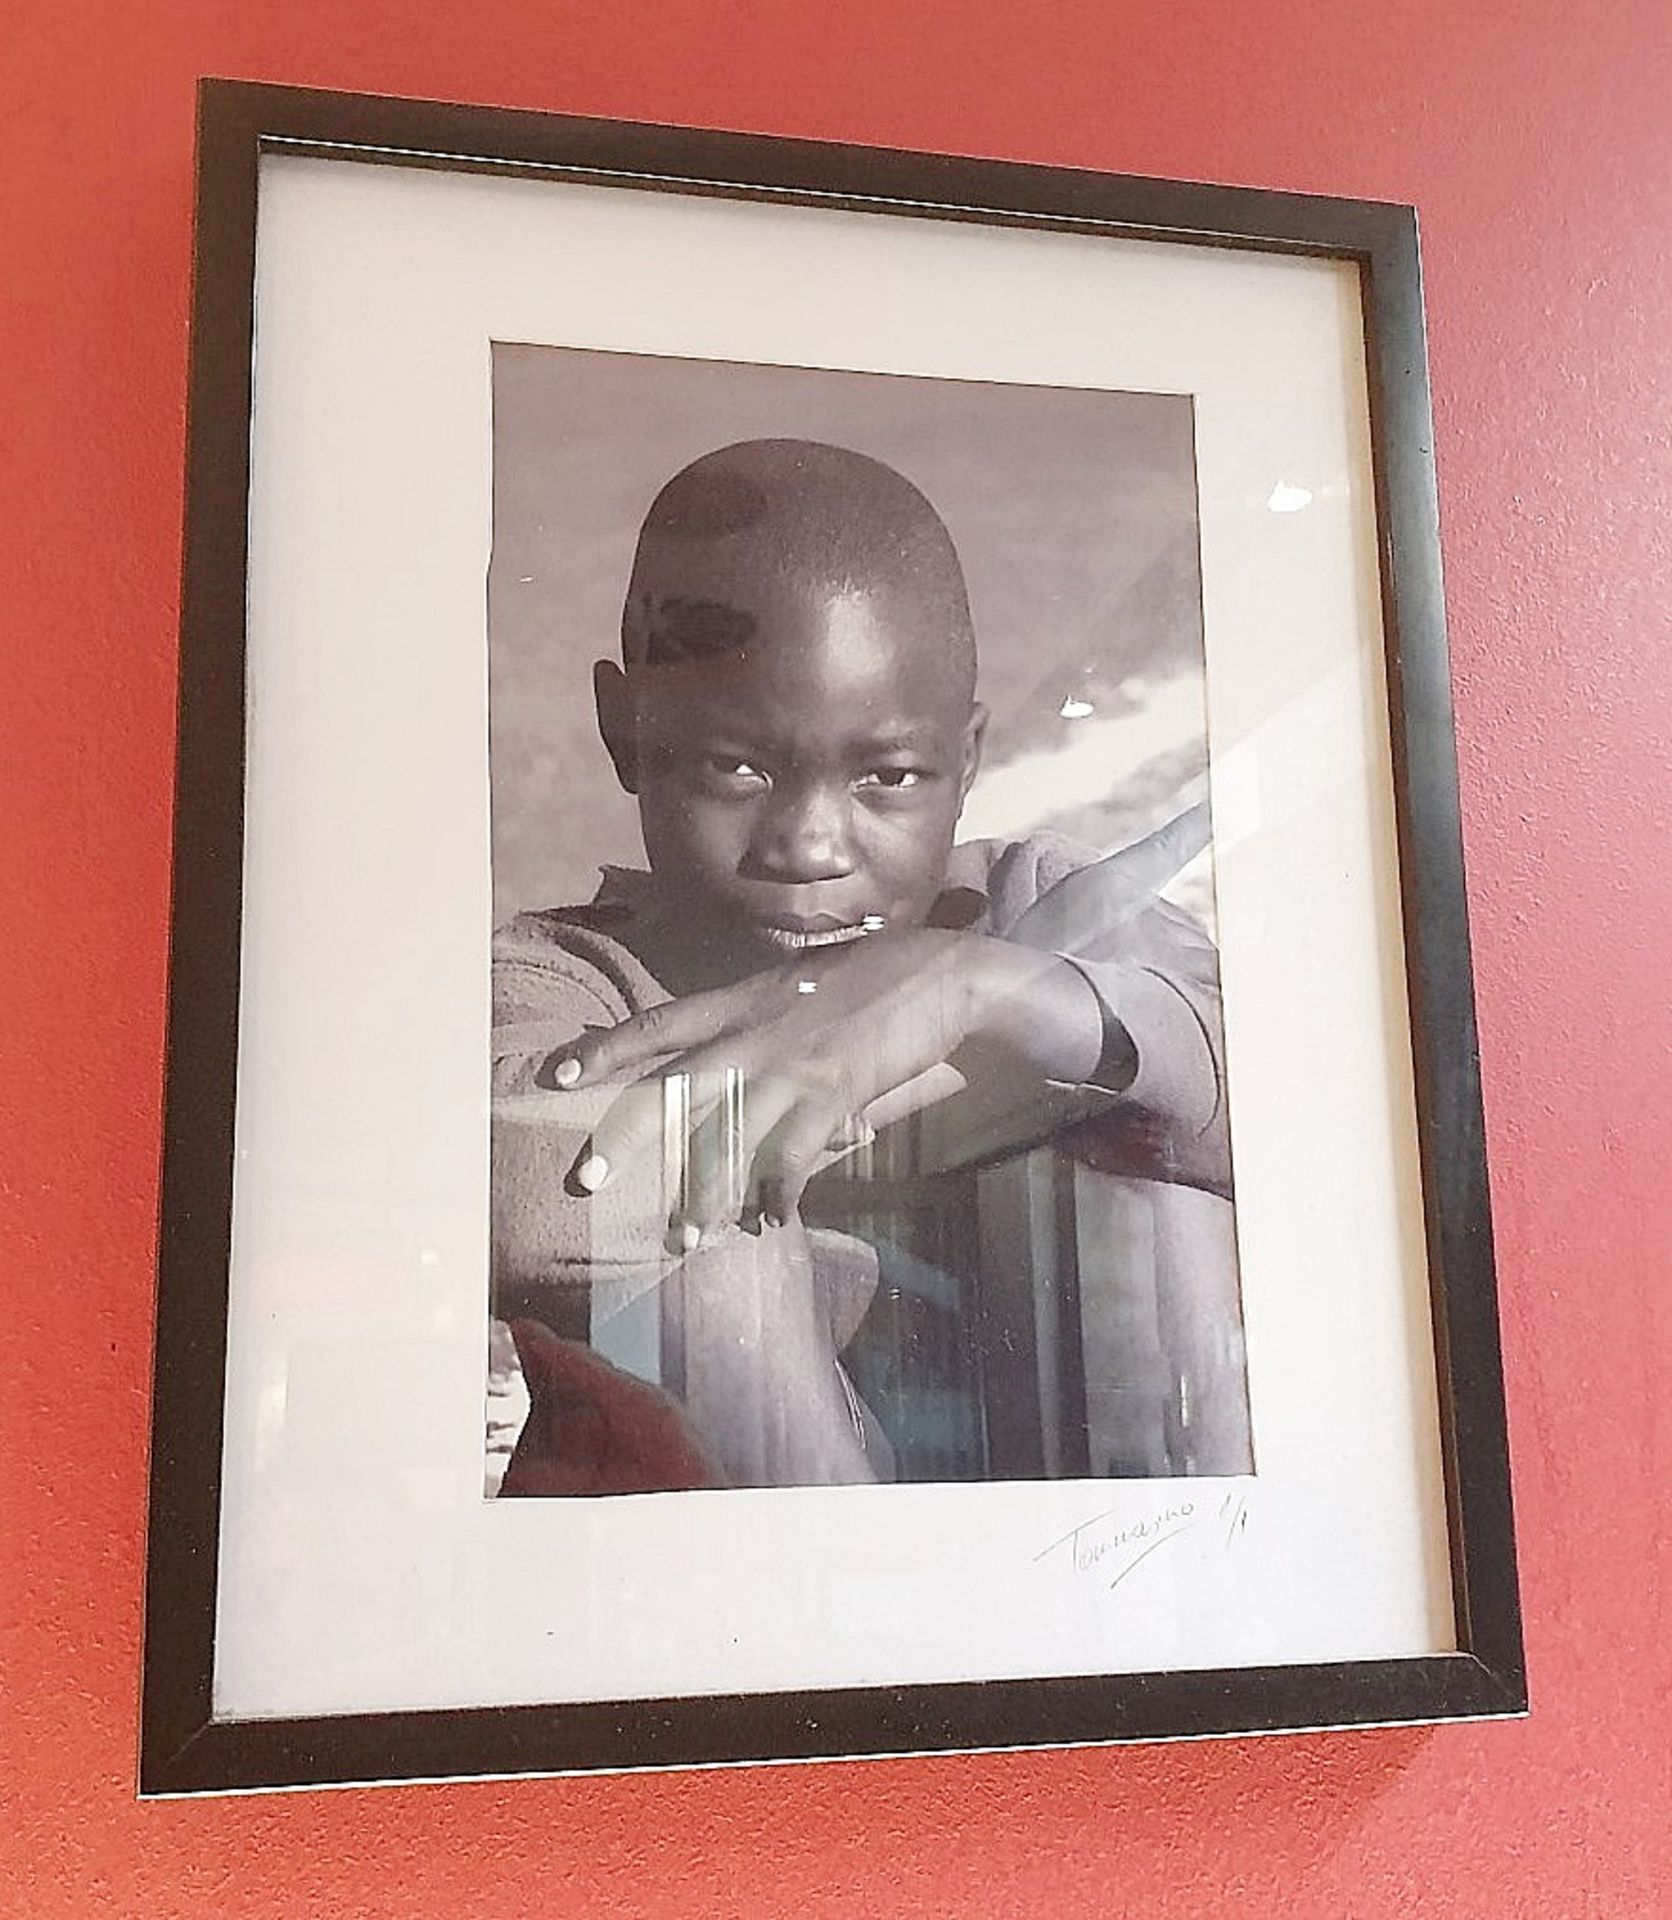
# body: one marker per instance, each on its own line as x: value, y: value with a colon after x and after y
x: 184, y: 1747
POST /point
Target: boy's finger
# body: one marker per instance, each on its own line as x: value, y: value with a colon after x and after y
x: 714, y: 1168
x: 628, y: 1140
x: 674, y: 1027
x: 926, y: 1089
x: 792, y: 1153
x: 719, y: 1180
x: 853, y: 1131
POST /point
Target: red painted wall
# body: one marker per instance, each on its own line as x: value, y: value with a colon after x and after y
x: 1536, y: 137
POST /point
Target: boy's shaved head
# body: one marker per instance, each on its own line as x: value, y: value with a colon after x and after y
x: 795, y: 710
x: 796, y: 515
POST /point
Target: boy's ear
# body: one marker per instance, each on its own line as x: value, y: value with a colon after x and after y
x: 975, y: 732
x: 616, y: 721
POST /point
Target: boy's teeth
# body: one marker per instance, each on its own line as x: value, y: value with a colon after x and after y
x: 794, y: 942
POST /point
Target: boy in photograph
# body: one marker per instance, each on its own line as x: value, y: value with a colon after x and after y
x: 809, y: 959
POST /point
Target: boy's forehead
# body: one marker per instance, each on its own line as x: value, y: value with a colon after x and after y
x: 708, y: 597
x: 758, y: 572
x: 835, y: 652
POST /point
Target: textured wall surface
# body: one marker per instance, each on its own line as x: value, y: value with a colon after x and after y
x: 1535, y: 139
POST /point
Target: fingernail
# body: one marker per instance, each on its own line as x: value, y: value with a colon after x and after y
x: 690, y: 1236
x: 567, y: 1072
x: 592, y: 1172
x: 770, y: 1218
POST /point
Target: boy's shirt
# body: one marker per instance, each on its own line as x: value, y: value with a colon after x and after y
x: 558, y: 971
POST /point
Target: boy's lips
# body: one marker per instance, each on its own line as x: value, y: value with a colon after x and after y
x: 797, y: 936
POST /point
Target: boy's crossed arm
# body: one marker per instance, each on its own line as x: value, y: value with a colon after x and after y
x: 1095, y: 984
x: 835, y: 1040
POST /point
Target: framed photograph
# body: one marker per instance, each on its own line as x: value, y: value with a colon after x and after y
x: 822, y: 1090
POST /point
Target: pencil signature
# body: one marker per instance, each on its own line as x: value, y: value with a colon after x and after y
x: 1114, y: 1544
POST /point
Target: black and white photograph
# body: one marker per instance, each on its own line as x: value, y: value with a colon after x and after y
x: 819, y: 1058
x: 858, y: 1069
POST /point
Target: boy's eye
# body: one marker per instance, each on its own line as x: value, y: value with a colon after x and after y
x: 893, y: 779
x: 731, y: 767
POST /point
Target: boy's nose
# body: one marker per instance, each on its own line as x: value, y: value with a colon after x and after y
x: 805, y: 837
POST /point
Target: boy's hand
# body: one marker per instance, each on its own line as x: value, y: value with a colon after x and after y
x: 779, y: 1065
